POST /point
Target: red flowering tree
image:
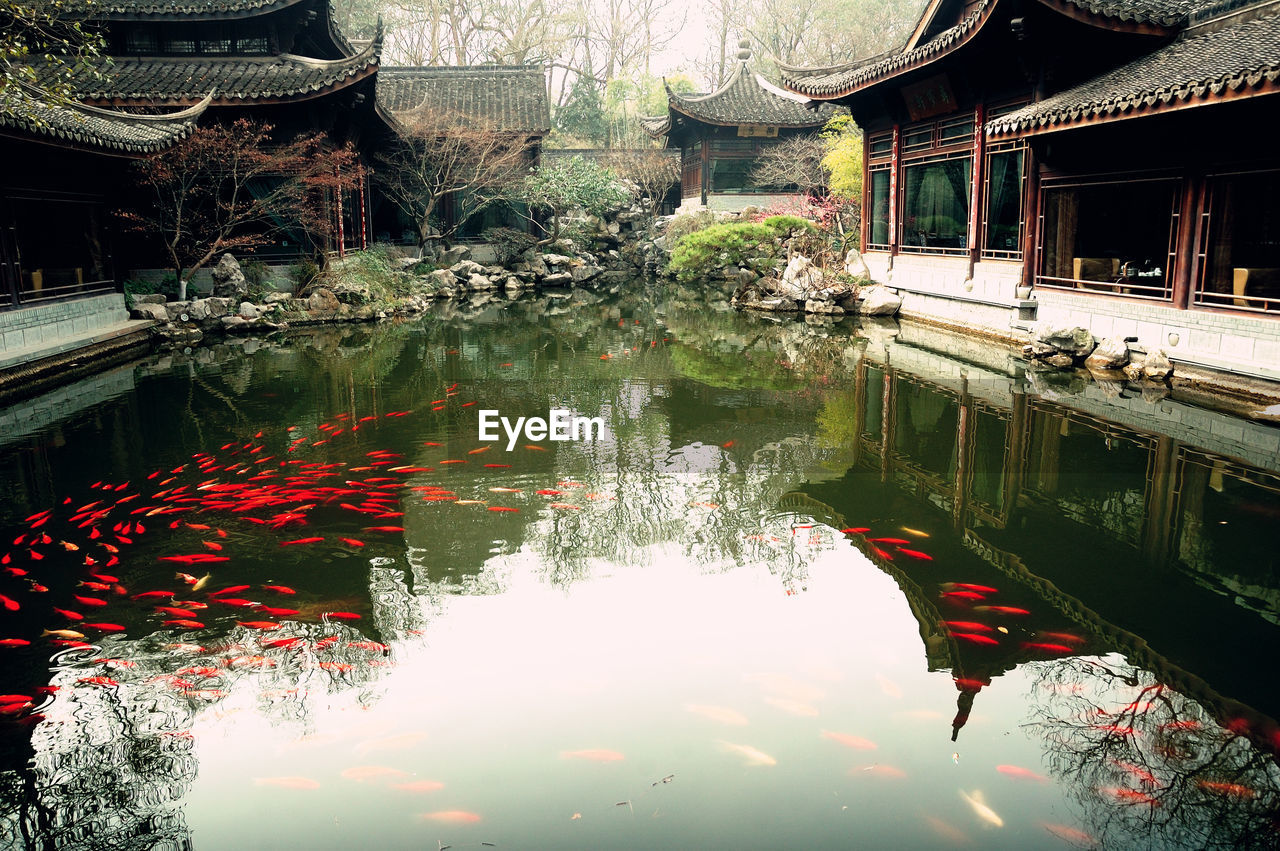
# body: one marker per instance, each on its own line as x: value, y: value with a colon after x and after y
x: 232, y: 186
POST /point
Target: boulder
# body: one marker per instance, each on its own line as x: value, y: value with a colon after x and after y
x: 350, y: 291
x: 451, y: 256
x: 532, y: 263
x: 856, y: 266
x: 1061, y: 360
x: 249, y: 310
x: 557, y: 279
x: 148, y: 298
x: 228, y: 279
x: 778, y: 305
x: 800, y: 279
x: 1157, y: 366
x: 584, y: 272
x: 1077, y: 342
x: 557, y: 262
x: 480, y: 282
x: 825, y: 307
x: 878, y: 301
x: 1111, y: 353
x: 464, y: 269
x: 176, y: 311
x: 440, y: 278
x: 148, y: 310
x: 322, y: 300
x: 277, y: 298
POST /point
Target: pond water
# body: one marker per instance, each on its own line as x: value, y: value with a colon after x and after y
x: 818, y: 586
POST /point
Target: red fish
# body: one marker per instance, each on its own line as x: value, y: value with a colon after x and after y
x: 969, y: 586
x: 1065, y: 637
x: 501, y: 508
x: 279, y: 589
x: 107, y: 627
x: 855, y: 530
x: 384, y: 528
x: 963, y: 595
x: 148, y: 595
x: 14, y: 642
x: 185, y: 623
x: 549, y: 492
x: 1131, y: 796
x: 1047, y: 648
x: 451, y: 817
x: 1235, y: 790
x: 263, y: 625
x: 282, y: 642
x: 889, y: 540
x: 966, y: 684
x: 342, y: 616
x: 98, y: 681
x: 236, y: 601
x: 1020, y: 772
x: 175, y: 611
x: 975, y: 639
x: 229, y: 590
x: 1004, y: 610
x: 970, y: 626
x: 87, y: 601
x: 69, y: 615
x: 353, y: 542
x: 12, y: 605
x: 301, y: 541
x: 916, y: 554
x: 199, y: 558
x: 277, y: 613
x: 498, y: 466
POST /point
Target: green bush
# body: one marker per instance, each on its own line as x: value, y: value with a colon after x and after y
x: 719, y: 246
x: 166, y: 286
x: 508, y: 243
x: 786, y: 226
x: 687, y: 223
x: 305, y: 273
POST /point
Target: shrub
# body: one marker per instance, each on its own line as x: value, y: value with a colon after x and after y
x: 787, y: 226
x: 687, y: 223
x: 305, y: 272
x: 699, y: 254
x: 508, y: 243
x: 166, y: 286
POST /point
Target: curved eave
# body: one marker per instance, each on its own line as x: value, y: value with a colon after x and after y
x: 192, y: 14
x: 862, y: 76
x: 1122, y: 20
x: 1207, y: 93
x: 82, y: 138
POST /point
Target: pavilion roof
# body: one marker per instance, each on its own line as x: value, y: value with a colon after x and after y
x: 127, y: 10
x: 1196, y: 68
x: 510, y: 97
x: 92, y: 128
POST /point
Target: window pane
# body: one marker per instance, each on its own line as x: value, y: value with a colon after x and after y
x: 880, y: 207
x: 1243, y: 258
x: 1004, y: 201
x: 936, y: 204
x: 1110, y: 233
x: 180, y: 44
x: 141, y: 41
x: 252, y: 44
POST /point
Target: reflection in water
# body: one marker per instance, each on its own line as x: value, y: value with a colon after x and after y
x: 1106, y: 550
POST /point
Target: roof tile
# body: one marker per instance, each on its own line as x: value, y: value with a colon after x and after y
x: 511, y: 97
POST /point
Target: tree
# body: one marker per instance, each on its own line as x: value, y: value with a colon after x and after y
x: 43, y: 46
x: 230, y: 187
x: 582, y: 117
x: 570, y: 184
x: 442, y: 153
x: 653, y: 172
x: 794, y: 161
x: 843, y: 159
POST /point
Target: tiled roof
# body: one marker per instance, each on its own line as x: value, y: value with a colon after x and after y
x: 188, y: 9
x: 510, y: 97
x: 1194, y: 67
x: 99, y: 129
x: 1165, y: 13
x: 745, y: 98
x: 232, y: 79
x: 836, y: 80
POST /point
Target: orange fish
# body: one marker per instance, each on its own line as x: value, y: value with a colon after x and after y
x: 1004, y: 610
x: 342, y: 616
x: 86, y: 601
x: 107, y: 627
x: 975, y: 639
x: 1047, y: 648
x: 850, y: 741
x: 1235, y: 790
x: 12, y: 605
x: 419, y: 786
x: 1020, y: 773
x: 301, y: 541
x: 148, y: 595
x: 352, y: 542
x: 963, y: 595
x: 229, y: 590
x: 916, y: 554
x: 185, y: 624
x: 263, y: 625
x: 855, y: 530
x: 501, y: 508
x: 969, y: 626
x: 451, y: 817
x: 14, y: 642
x: 279, y: 589
x: 1130, y: 796
x: 1069, y: 834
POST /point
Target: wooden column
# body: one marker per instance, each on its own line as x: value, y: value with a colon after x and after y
x: 706, y: 166
x: 895, y: 162
x: 888, y: 418
x: 1185, y: 242
x: 964, y: 452
x: 1157, y: 525
x: 866, y: 191
x: 978, y: 175
x: 1031, y: 212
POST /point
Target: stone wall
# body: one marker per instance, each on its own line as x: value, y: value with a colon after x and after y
x: 46, y: 324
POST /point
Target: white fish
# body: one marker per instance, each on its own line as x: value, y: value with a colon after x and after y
x: 795, y: 707
x: 980, y: 807
x: 719, y: 714
x: 750, y: 754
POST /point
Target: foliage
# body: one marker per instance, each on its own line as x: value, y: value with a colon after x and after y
x: 44, y: 44
x: 508, y: 243
x: 796, y: 161
x: 166, y: 286
x: 843, y: 158
x: 441, y: 153
x: 788, y: 226
x: 305, y: 273
x: 231, y: 187
x: 582, y: 116
x: 699, y: 254
x: 570, y: 184
x: 653, y: 172
x: 628, y: 98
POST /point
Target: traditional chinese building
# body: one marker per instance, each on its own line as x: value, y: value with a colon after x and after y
x: 720, y: 135
x: 509, y: 99
x: 1081, y: 162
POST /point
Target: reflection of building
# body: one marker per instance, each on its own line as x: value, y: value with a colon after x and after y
x: 1081, y: 507
x: 1089, y: 150
x: 720, y: 134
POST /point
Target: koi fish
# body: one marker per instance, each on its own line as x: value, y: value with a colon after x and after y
x: 593, y: 755
x: 751, y: 755
x: 501, y: 508
x: 565, y: 505
x: 975, y: 639
x: 963, y: 595
x: 69, y: 615
x: 896, y: 541
x: 1020, y: 773
x: 980, y: 808
x: 282, y: 642
x: 969, y: 684
x: 451, y: 817
x: 1070, y: 834
x: 478, y: 451
x: 1235, y: 790
x: 175, y: 611
x: 968, y: 626
x: 419, y: 786
x: 855, y: 530
x: 1004, y: 610
x: 263, y: 625
x: 149, y: 595
x: 184, y: 623
x: 353, y: 542
x: 1142, y: 774
x: 229, y: 590
x: 301, y: 541
x: 107, y: 627
x: 850, y: 741
x: 98, y: 681
x: 1129, y: 796
x: 384, y: 528
x: 1065, y: 637
x: 62, y: 633
x: 10, y: 604
x: 14, y: 642
x: 505, y: 490
x: 342, y: 616
x: 277, y: 613
x: 279, y: 589
x: 916, y: 554
x: 1047, y: 648
x: 86, y: 601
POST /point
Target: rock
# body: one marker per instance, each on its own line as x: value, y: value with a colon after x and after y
x: 800, y: 279
x: 231, y: 323
x: 878, y: 301
x: 778, y: 305
x: 824, y: 307
x: 464, y: 269
x: 352, y: 292
x: 149, y: 310
x: 1077, y: 342
x: 454, y: 255
x: 557, y: 262
x: 322, y: 300
x: 440, y: 278
x: 584, y: 272
x: 1111, y: 353
x: 557, y: 279
x: 749, y: 212
x: 856, y: 266
x: 249, y: 310
x: 848, y: 301
x: 278, y: 298
x: 1133, y: 370
x: 148, y: 298
x: 480, y: 282
x: 1061, y: 360
x: 228, y: 279
x: 1157, y: 366
x: 1154, y: 391
x: 531, y: 262
x: 404, y: 264
x: 176, y: 310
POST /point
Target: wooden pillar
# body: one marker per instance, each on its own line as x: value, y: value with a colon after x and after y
x: 706, y: 167
x: 888, y: 418
x: 1015, y: 448
x: 1185, y: 241
x: 867, y: 203
x: 894, y: 163
x: 964, y: 452
x: 1031, y: 211
x: 978, y: 175
x: 1157, y: 525
x: 364, y: 216
x: 342, y: 237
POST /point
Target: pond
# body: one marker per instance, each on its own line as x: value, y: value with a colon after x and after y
x: 816, y: 586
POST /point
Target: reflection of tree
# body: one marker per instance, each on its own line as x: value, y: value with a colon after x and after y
x: 1148, y: 765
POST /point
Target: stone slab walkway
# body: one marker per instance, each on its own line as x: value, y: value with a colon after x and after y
x: 20, y: 356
